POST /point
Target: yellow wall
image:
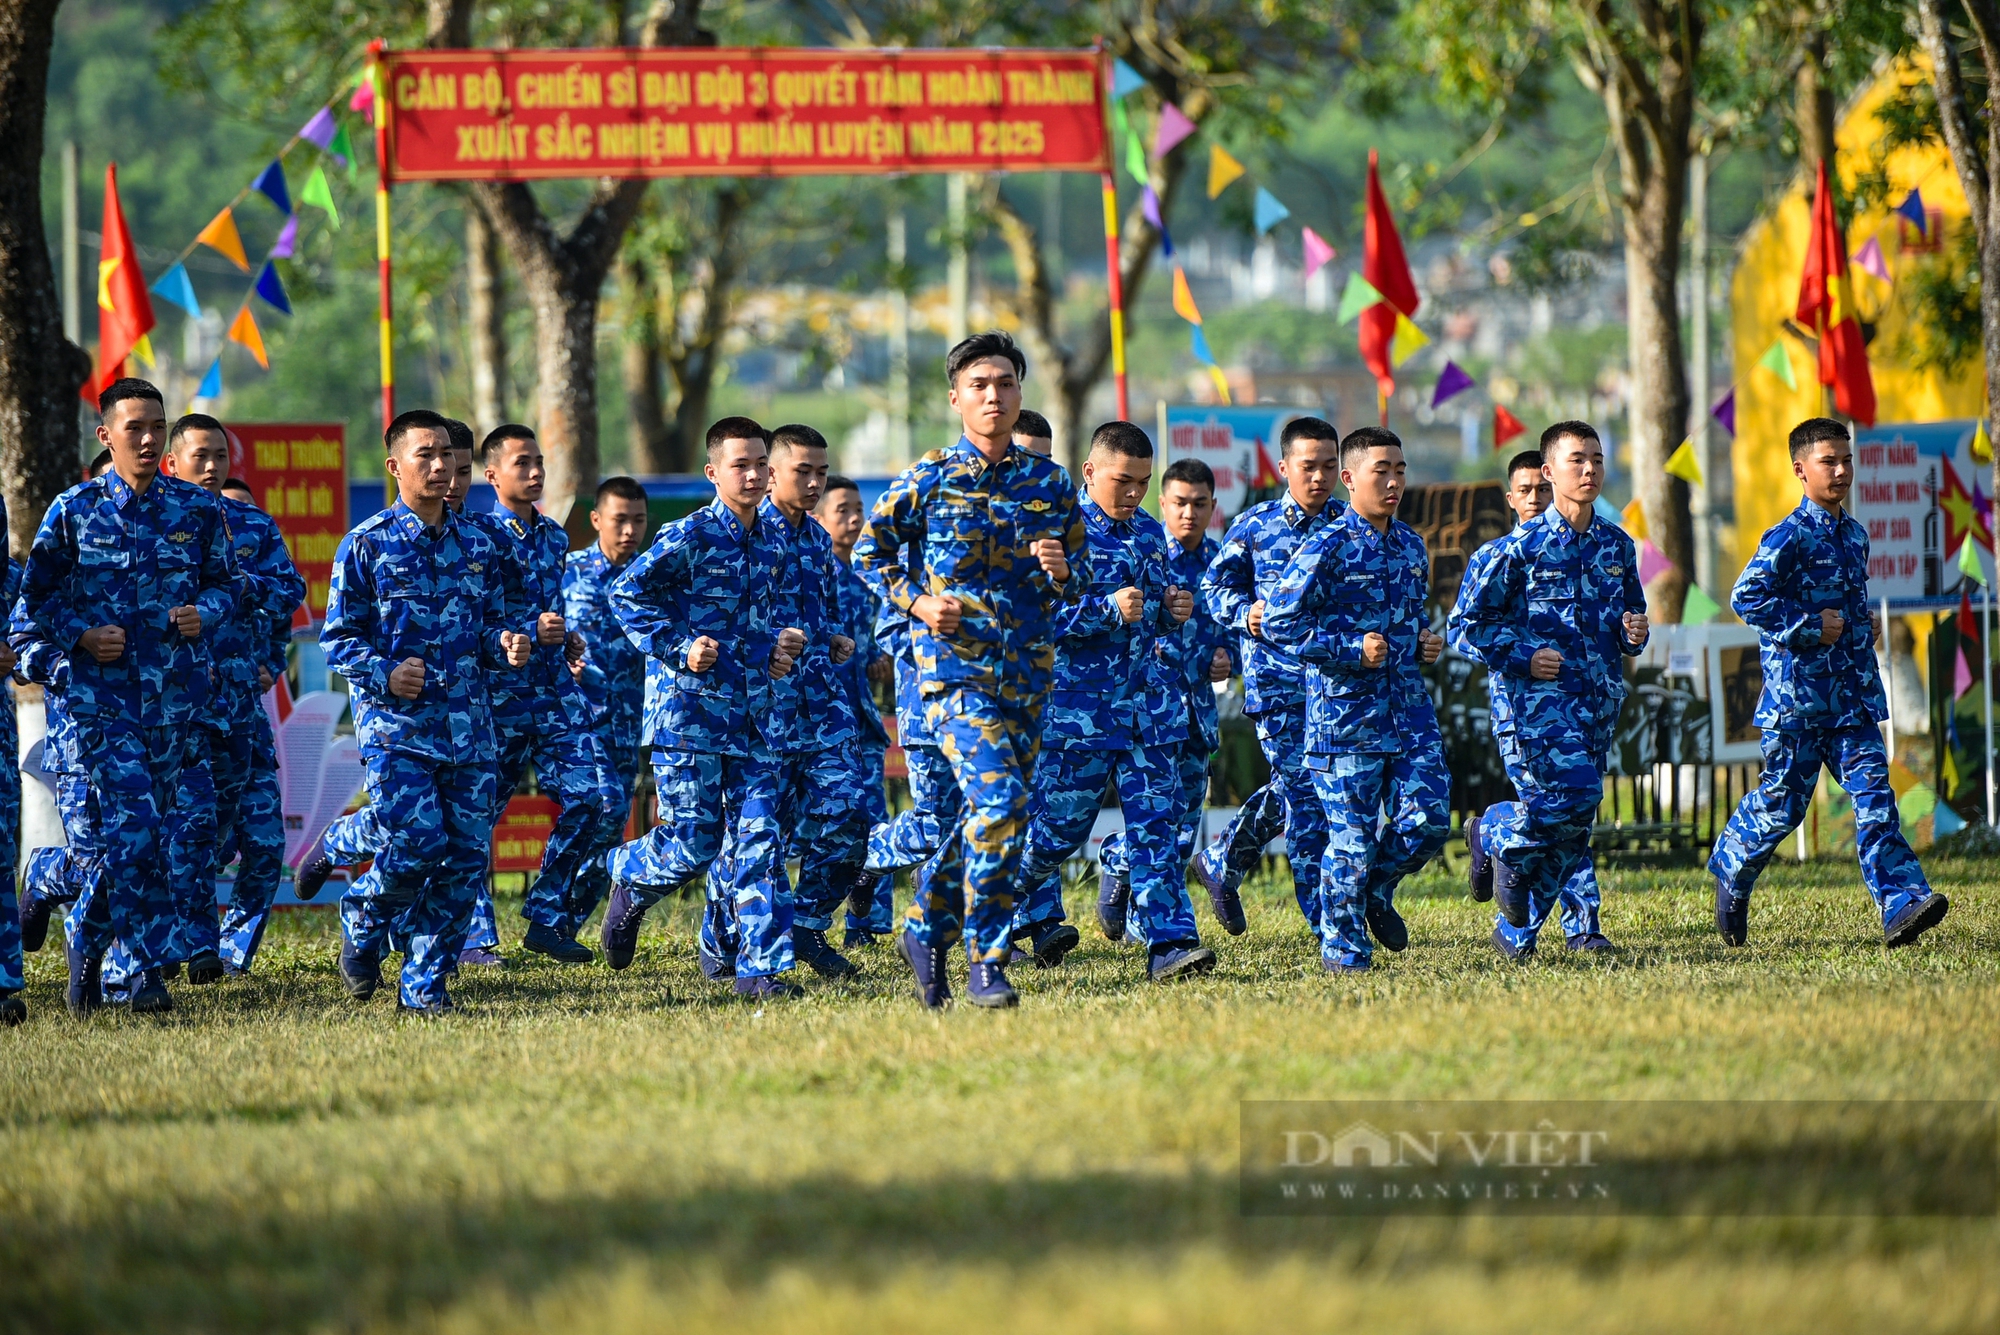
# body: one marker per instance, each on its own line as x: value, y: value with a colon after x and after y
x: 1765, y: 293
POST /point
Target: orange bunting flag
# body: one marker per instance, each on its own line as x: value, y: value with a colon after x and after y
x: 222, y: 237
x: 1826, y: 306
x: 1184, y: 298
x: 244, y: 330
x: 1506, y: 426
x: 124, y: 311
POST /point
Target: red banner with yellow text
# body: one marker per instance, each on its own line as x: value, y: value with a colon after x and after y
x: 520, y: 115
x: 298, y: 473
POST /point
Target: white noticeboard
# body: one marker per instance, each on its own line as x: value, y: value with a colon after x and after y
x: 1230, y: 441
x: 1918, y: 490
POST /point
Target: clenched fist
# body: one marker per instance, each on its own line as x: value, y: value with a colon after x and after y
x: 549, y: 628
x: 106, y: 644
x: 1054, y: 561
x: 1429, y: 646
x: 517, y: 647
x: 791, y: 643
x: 940, y: 613
x: 406, y: 679
x: 1218, y: 666
x: 1374, y: 649
x: 1180, y: 604
x: 1130, y: 604
x: 187, y: 620
x: 840, y: 648
x: 702, y: 654
x: 1255, y: 619
x: 1831, y: 624
x: 1546, y: 665
x: 1636, y: 627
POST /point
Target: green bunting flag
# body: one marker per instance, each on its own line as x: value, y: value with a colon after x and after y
x: 319, y: 193
x: 342, y: 149
x: 1359, y: 295
x: 1699, y: 609
x: 1779, y: 363
x: 1968, y: 562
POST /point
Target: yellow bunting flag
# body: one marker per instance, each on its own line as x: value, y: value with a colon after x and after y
x: 244, y: 330
x: 1184, y: 298
x: 143, y: 350
x: 1683, y: 465
x: 1982, y: 444
x: 1222, y: 169
x: 1408, y: 340
x: 1221, y: 384
x: 1635, y: 520
x: 222, y: 237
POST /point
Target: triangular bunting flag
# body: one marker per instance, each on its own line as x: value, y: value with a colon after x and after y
x: 1982, y: 505
x: 1222, y: 169
x: 1982, y: 444
x: 143, y: 350
x: 288, y: 239
x: 1945, y: 821
x: 1917, y: 803
x: 211, y: 384
x: 270, y: 183
x: 1317, y: 252
x: 1269, y: 211
x: 1912, y: 208
x: 1408, y: 340
x: 1699, y: 609
x: 320, y: 130
x: 1149, y: 208
x: 272, y: 289
x: 1202, y: 352
x: 363, y: 100
x: 222, y: 237
x: 1778, y: 362
x: 1633, y: 520
x: 1724, y: 411
x: 1125, y: 80
x: 1506, y: 426
x: 1184, y: 298
x: 1135, y: 157
x: 1174, y: 127
x: 319, y: 193
x: 1606, y: 511
x: 1652, y: 561
x: 1357, y: 297
x: 1221, y: 383
x: 1452, y: 380
x: 1968, y: 562
x: 342, y: 150
x: 1869, y: 260
x: 1683, y: 465
x: 174, y: 286
x: 243, y: 329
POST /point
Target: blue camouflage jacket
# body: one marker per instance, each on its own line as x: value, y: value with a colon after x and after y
x: 1810, y: 561
x: 705, y: 574
x: 1186, y: 655
x: 1111, y: 692
x: 976, y: 523
x: 404, y: 590
x: 614, y: 674
x: 269, y: 590
x: 1247, y: 567
x: 106, y: 555
x: 859, y: 608
x: 810, y: 710
x: 1550, y: 587
x: 534, y: 553
x: 1345, y: 582
x: 892, y: 636
x: 1478, y: 571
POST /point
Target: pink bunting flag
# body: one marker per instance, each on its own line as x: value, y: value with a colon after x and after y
x: 1961, y: 672
x: 1318, y: 252
x: 1652, y: 562
x: 1174, y: 127
x: 1869, y: 259
x: 363, y: 100
x: 320, y: 129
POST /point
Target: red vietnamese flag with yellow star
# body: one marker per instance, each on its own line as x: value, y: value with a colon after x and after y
x: 1961, y: 514
x: 1826, y: 306
x: 1383, y: 265
x: 124, y: 311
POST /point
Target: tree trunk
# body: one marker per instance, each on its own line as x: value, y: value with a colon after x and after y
x: 639, y: 358
x: 694, y: 361
x: 486, y: 314
x: 1815, y: 108
x: 40, y: 370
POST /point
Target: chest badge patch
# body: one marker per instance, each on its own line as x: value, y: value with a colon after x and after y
x: 1036, y: 505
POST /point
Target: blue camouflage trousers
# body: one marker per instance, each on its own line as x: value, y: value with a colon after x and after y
x: 123, y: 891
x: 1561, y: 742
x: 703, y: 798
x: 573, y: 770
x: 1192, y: 765
x: 990, y: 745
x: 436, y: 826
x: 874, y: 805
x: 1069, y: 790
x: 925, y: 838
x: 190, y: 844
x: 252, y: 832
x: 11, y: 979
x: 626, y: 758
x: 1579, y: 897
x: 1792, y: 762
x: 826, y: 827
x: 1387, y: 815
x: 1286, y: 805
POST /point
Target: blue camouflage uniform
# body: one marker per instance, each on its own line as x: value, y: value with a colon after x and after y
x: 613, y: 682
x: 984, y: 687
x: 55, y: 873
x: 1820, y: 707
x: 1372, y: 741
x: 402, y: 589
x: 258, y: 833
x: 1252, y: 558
x: 860, y: 609
x: 714, y: 763
x: 1580, y: 897
x: 11, y: 979
x: 1187, y: 655
x: 1114, y: 717
x: 108, y: 555
x: 541, y: 717
x: 1552, y: 587
x: 926, y: 836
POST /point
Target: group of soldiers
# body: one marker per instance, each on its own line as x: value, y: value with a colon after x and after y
x: 1045, y: 643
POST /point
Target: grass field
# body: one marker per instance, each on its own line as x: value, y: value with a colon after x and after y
x: 590, y: 1152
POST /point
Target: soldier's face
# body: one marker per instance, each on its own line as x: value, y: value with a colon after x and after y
x: 1185, y: 508
x: 1374, y: 480
x: 1309, y: 472
x: 1117, y: 482
x: 135, y: 431
x: 620, y: 523
x: 201, y: 457
x: 421, y: 463
x: 798, y: 477
x: 1575, y: 469
x: 987, y: 398
x: 839, y: 513
x: 516, y: 472
x: 1529, y: 493
x: 461, y: 479
x: 741, y: 472
x: 1826, y: 471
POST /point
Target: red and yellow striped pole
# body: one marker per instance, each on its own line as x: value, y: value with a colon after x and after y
x: 1117, y: 284
x: 382, y: 231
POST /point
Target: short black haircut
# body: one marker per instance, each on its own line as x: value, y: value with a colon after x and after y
x: 99, y: 462
x: 624, y: 488
x: 994, y: 344
x: 1525, y: 459
x: 1813, y: 431
x: 194, y: 422
x: 236, y: 484
x: 1122, y: 438
x: 128, y: 387
x: 837, y: 482
x: 462, y: 438
x: 416, y: 419
x: 1365, y: 438
x: 1191, y: 471
x: 497, y: 437
x: 1581, y: 430
x: 796, y: 436
x: 735, y: 428
x: 1033, y: 425
x: 1305, y: 428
